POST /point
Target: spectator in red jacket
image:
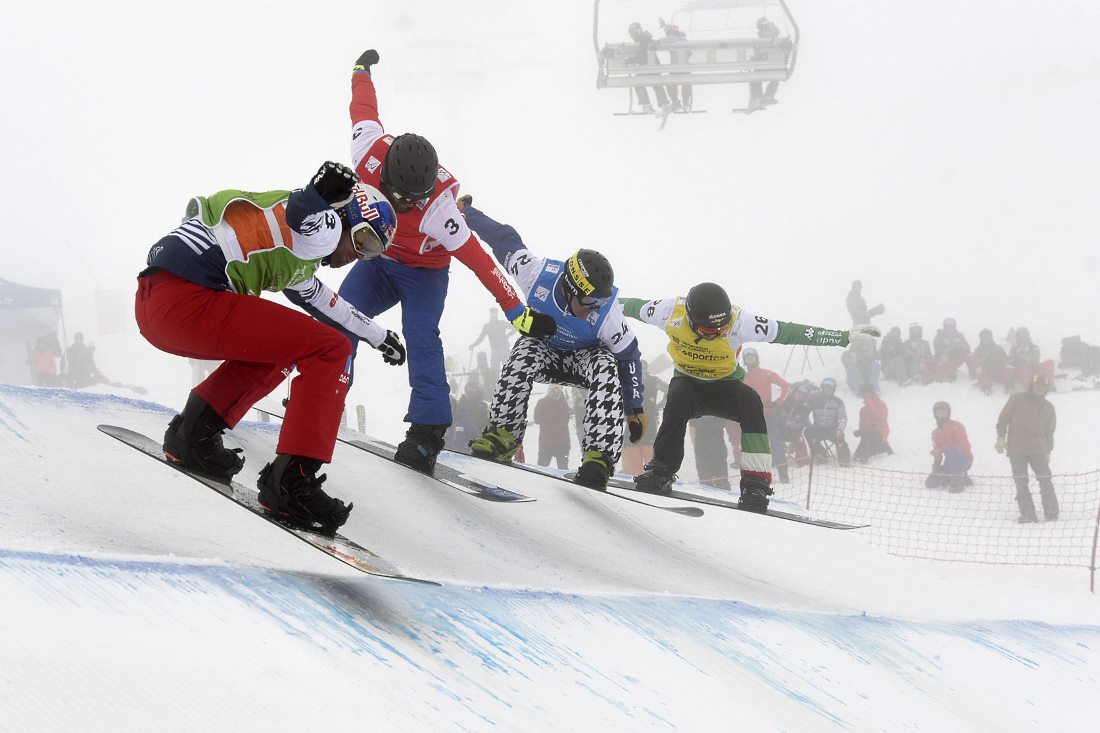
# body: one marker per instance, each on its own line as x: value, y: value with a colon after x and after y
x: 763, y: 380
x: 874, y: 426
x: 951, y: 454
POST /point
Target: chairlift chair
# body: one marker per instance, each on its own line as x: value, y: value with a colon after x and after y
x: 721, y: 47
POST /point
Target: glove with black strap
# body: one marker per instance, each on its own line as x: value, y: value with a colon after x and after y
x: 366, y: 60
x: 534, y: 324
x: 636, y: 425
x: 393, y: 351
x: 336, y: 183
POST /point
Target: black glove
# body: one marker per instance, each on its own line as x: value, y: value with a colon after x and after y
x: 336, y: 183
x: 636, y: 425
x: 366, y: 60
x: 534, y: 324
x: 393, y: 351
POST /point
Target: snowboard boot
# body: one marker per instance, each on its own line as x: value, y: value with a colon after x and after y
x: 495, y: 444
x: 784, y: 473
x: 594, y: 471
x: 290, y: 489
x: 657, y: 479
x: 420, y: 447
x: 754, y: 494
x: 194, y: 441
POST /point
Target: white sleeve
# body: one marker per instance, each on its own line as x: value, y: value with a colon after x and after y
x: 525, y: 267
x: 363, y: 135
x: 751, y: 327
x: 319, y: 236
x: 657, y: 312
x: 615, y: 334
x: 332, y: 306
x: 443, y: 223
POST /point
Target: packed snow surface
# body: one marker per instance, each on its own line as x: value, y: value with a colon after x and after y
x: 135, y: 598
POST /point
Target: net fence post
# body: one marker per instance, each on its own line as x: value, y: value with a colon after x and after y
x: 810, y: 480
x: 1092, y: 565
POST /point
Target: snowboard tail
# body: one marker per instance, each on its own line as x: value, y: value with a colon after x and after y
x: 336, y: 545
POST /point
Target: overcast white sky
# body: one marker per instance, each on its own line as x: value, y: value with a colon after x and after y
x: 942, y: 152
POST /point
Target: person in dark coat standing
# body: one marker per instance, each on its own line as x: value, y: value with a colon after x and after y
x: 1025, y: 432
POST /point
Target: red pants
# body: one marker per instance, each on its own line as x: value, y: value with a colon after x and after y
x: 257, y: 340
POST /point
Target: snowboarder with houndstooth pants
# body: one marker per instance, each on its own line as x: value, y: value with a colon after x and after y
x: 592, y: 348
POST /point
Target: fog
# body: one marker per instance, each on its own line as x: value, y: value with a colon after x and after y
x: 942, y: 153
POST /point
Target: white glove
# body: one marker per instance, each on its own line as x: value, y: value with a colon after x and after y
x: 864, y: 333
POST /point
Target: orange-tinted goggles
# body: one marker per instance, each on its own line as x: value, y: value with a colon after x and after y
x: 711, y: 332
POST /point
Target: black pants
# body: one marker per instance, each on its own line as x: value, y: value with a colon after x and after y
x: 816, y: 434
x: 729, y: 399
x: 870, y: 444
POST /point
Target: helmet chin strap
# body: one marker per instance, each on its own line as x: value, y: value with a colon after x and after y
x: 562, y: 293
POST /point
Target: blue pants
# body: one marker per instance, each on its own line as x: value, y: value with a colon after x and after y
x: 951, y: 472
x: 373, y: 287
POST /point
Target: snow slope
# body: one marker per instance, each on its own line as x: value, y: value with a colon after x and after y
x: 133, y: 598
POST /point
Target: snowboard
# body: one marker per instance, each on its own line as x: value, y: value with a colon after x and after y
x: 337, y: 546
x: 627, y: 485
x: 687, y: 511
x: 443, y: 474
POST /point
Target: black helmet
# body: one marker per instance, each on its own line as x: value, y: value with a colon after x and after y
x: 941, y: 405
x: 709, y: 310
x: 410, y: 167
x: 588, y: 274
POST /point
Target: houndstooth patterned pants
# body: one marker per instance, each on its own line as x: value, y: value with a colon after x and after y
x: 533, y: 361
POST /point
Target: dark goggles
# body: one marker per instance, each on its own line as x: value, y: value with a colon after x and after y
x: 592, y: 302
x: 411, y: 200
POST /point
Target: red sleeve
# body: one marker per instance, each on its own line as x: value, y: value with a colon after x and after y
x: 961, y: 439
x: 882, y: 418
x: 364, y: 100
x: 937, y: 443
x: 474, y: 256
